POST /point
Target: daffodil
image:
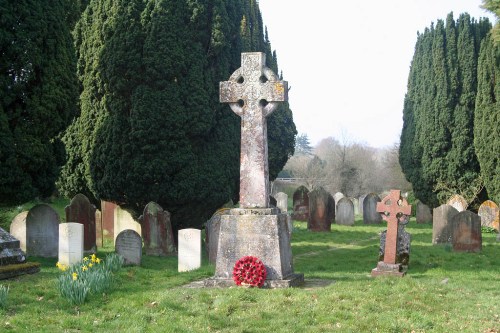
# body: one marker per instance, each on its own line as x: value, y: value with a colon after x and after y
x: 84, y: 268
x: 91, y: 264
x: 98, y: 260
x: 75, y: 276
x: 85, y: 259
x: 93, y: 257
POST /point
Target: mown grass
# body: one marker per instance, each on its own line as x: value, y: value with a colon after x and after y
x: 442, y: 292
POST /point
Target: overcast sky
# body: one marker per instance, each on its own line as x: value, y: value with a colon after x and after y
x: 347, y: 62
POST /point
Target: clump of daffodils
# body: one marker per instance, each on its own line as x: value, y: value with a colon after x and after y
x: 90, y: 276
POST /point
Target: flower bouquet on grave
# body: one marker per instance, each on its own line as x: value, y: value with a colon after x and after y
x: 249, y: 271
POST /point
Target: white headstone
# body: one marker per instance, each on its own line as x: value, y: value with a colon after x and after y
x: 189, y: 250
x: 70, y: 243
x: 123, y: 220
x: 128, y: 244
x: 18, y: 229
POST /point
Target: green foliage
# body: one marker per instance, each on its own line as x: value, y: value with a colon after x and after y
x: 4, y: 294
x: 38, y: 95
x: 437, y: 152
x: 151, y: 126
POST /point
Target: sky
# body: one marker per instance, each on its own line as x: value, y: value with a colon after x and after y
x: 347, y: 62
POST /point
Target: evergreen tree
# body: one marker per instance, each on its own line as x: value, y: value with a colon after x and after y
x: 38, y: 95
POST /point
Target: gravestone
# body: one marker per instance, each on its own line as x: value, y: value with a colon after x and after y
x: 361, y: 202
x: 301, y: 204
x: 99, y: 238
x: 212, y: 234
x: 458, y: 202
x: 42, y: 232
x: 370, y: 214
x: 355, y: 203
x: 423, y: 214
x: 321, y: 210
x: 18, y: 229
x: 71, y: 240
x: 402, y: 248
x: 466, y: 235
x: 337, y: 196
x: 441, y: 224
x: 282, y: 202
x: 123, y: 220
x: 10, y: 250
x: 489, y: 213
x: 108, y: 219
x: 128, y: 244
x: 344, y: 214
x: 254, y: 229
x: 395, y: 210
x: 189, y: 249
x: 157, y: 231
x: 80, y: 210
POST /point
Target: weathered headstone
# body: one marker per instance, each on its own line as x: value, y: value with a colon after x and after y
x: 344, y: 214
x: 255, y: 228
x: 423, y: 214
x: 10, y: 250
x: 402, y: 248
x: 441, y: 224
x: 42, y: 232
x: 18, y: 229
x: 189, y: 249
x: 99, y: 237
x: 212, y: 234
x: 370, y: 214
x: 80, y: 210
x: 282, y: 202
x: 71, y: 240
x: 128, y: 244
x: 157, y: 231
x: 301, y: 204
x: 321, y: 210
x: 489, y: 213
x: 124, y: 220
x: 337, y: 196
x: 108, y: 219
x: 395, y: 210
x: 458, y: 202
x: 466, y: 232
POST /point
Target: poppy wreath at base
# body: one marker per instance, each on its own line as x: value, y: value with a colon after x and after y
x: 249, y: 271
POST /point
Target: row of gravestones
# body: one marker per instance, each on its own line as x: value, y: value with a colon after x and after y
x: 38, y: 229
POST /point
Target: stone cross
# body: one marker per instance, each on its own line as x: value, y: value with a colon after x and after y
x: 252, y: 92
x: 393, y: 209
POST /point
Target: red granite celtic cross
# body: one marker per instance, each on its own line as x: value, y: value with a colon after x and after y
x: 252, y: 92
x: 392, y: 207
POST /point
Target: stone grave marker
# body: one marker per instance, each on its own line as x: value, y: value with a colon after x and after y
x: 395, y: 210
x: 99, y: 238
x: 321, y: 211
x: 212, y: 234
x: 157, y: 231
x: 18, y: 229
x: 189, y: 249
x: 370, y: 214
x: 458, y: 202
x: 423, y: 214
x: 402, y: 248
x: 337, y: 196
x: 10, y: 250
x: 282, y: 201
x: 253, y: 92
x: 80, y: 210
x: 441, y: 224
x: 108, y: 219
x: 123, y: 220
x: 466, y: 235
x: 345, y: 212
x: 301, y: 204
x: 128, y: 244
x: 489, y: 213
x: 42, y: 232
x: 71, y: 240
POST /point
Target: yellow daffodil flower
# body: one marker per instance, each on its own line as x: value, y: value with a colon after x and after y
x: 75, y: 276
x: 85, y: 259
x: 91, y: 264
x: 98, y: 260
x: 84, y: 268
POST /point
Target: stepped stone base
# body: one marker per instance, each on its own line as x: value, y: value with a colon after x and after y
x: 388, y: 269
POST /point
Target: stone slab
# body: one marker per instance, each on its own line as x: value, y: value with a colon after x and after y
x: 71, y: 243
x: 128, y: 244
x: 18, y: 229
x: 123, y: 220
x: 42, y: 232
x: 423, y: 213
x: 467, y: 236
x: 441, y: 224
x: 189, y: 244
x: 385, y: 269
x: 10, y: 250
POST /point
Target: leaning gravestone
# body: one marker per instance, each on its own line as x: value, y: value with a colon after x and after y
x: 128, y: 244
x: 108, y: 219
x: 423, y: 214
x: 321, y: 210
x: 466, y: 228
x: 489, y: 213
x: 212, y: 234
x: 42, y: 232
x: 71, y: 240
x: 80, y: 210
x: 458, y: 202
x: 344, y: 214
x: 123, y: 220
x: 441, y: 224
x: 157, y: 231
x: 18, y: 229
x: 254, y: 229
x: 189, y: 249
x: 370, y: 214
x: 301, y: 204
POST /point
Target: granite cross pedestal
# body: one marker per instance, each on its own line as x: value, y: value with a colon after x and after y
x: 255, y: 229
x: 394, y: 209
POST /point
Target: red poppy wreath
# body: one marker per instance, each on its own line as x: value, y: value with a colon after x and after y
x: 249, y: 271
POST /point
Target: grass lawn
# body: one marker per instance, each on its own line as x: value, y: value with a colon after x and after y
x: 442, y: 292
